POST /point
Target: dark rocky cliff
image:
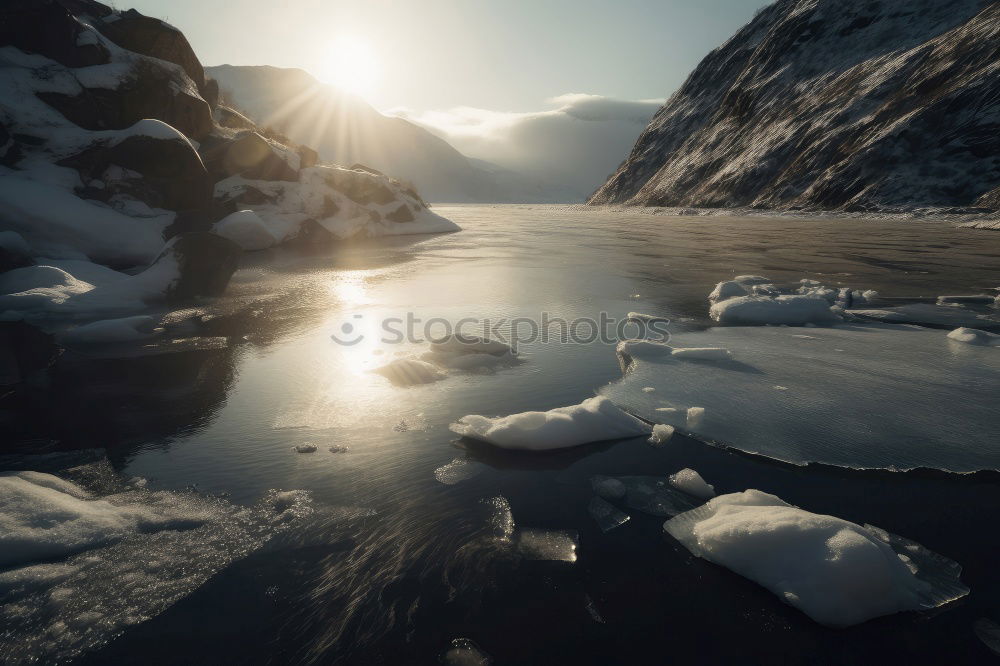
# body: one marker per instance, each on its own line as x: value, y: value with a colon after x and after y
x: 832, y: 104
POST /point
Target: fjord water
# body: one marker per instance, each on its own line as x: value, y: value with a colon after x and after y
x: 397, y: 564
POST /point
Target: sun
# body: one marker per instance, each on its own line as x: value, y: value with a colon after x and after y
x: 351, y: 65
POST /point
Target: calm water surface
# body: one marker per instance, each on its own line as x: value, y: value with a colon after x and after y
x: 414, y: 565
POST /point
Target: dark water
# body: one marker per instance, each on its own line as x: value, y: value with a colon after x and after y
x: 417, y: 566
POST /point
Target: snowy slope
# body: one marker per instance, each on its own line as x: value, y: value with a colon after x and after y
x: 347, y: 130
x: 832, y: 104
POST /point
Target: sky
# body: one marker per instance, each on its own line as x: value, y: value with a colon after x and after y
x: 421, y: 56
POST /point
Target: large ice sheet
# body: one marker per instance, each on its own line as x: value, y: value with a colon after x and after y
x: 869, y: 396
x: 837, y: 572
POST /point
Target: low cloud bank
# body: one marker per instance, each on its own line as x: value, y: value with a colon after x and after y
x: 575, y: 145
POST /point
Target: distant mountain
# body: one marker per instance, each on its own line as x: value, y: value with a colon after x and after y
x: 347, y: 130
x: 832, y: 104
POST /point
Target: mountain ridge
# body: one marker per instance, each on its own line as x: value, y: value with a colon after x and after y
x: 831, y: 104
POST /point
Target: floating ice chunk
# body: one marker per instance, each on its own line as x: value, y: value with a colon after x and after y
x: 305, y: 448
x: 107, y: 331
x: 703, y: 353
x: 594, y: 420
x: 661, y: 434
x: 793, y: 310
x: 608, y: 517
x: 465, y: 652
x: 972, y: 336
x: 817, y: 290
x: 988, y: 632
x: 548, y: 545
x: 975, y: 299
x: 695, y: 416
x: 245, y: 229
x: 726, y: 290
x: 837, y: 572
x: 458, y: 470
x: 608, y: 488
x: 410, y: 372
x: 691, y: 482
x: 648, y: 389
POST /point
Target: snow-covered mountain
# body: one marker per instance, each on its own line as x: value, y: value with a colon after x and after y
x: 833, y: 104
x: 347, y: 130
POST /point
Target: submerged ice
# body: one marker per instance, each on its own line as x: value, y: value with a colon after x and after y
x: 837, y: 572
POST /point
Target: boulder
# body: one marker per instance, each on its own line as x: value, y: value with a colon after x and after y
x: 152, y: 91
x: 205, y: 262
x: 173, y: 175
x: 232, y: 118
x: 199, y: 219
x: 47, y: 28
x: 152, y: 37
x: 249, y: 155
x: 307, y: 157
x: 25, y: 352
x: 210, y: 93
x: 401, y: 214
x: 360, y: 186
x: 312, y: 232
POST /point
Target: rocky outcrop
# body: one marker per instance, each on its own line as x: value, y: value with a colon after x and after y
x: 831, y: 104
x: 205, y: 263
x: 152, y: 37
x: 113, y: 153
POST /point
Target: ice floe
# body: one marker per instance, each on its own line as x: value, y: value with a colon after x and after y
x: 867, y: 396
x: 972, y: 336
x: 594, y: 420
x: 787, y: 309
x: 837, y: 572
x: 932, y: 315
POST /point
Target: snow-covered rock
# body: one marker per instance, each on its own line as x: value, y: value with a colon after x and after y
x: 830, y: 104
x: 246, y: 230
x: 837, y: 572
x: 594, y: 420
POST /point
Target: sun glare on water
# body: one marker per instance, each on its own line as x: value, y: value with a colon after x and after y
x: 352, y: 65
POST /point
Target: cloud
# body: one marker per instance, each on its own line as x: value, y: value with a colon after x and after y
x: 575, y: 145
